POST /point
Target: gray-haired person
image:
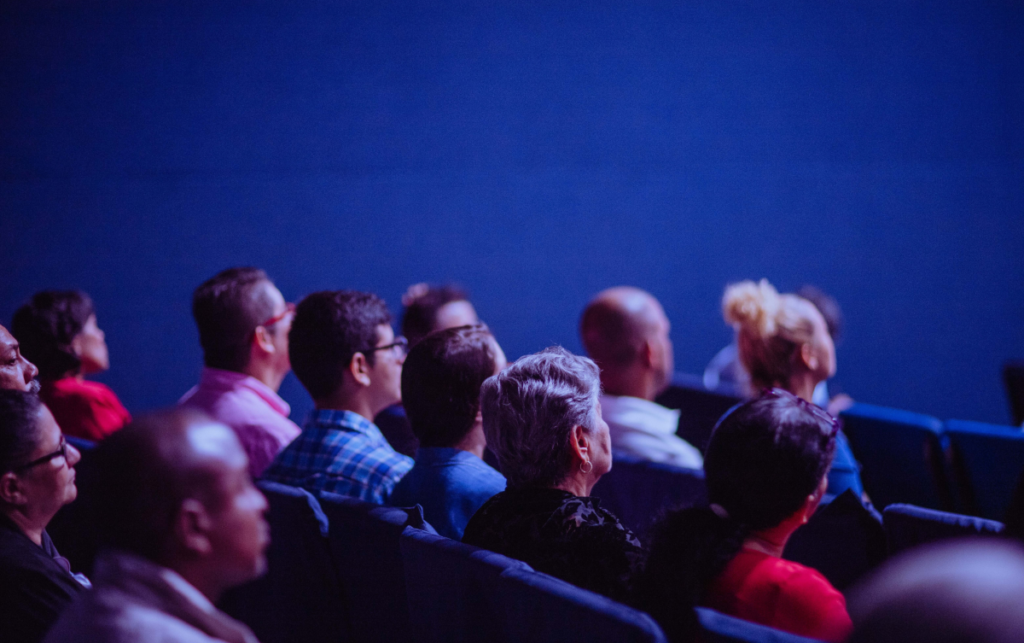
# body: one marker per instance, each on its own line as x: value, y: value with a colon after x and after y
x: 543, y: 421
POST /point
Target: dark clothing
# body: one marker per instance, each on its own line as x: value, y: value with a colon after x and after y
x: 567, y: 536
x: 35, y: 585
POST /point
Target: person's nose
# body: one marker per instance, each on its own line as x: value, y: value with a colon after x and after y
x: 73, y: 455
x: 30, y: 370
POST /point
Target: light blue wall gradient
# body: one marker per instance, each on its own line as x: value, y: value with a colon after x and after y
x: 536, y: 152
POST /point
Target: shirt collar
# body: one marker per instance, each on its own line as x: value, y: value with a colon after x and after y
x: 233, y: 380
x: 623, y: 409
x: 443, y: 455
x: 344, y: 420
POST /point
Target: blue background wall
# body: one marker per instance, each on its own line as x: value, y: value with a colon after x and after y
x: 536, y: 152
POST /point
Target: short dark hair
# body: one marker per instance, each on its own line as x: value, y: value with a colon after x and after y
x: 227, y: 308
x: 441, y: 381
x: 329, y: 328
x: 19, y: 427
x: 140, y: 477
x: 420, y: 316
x: 46, y: 326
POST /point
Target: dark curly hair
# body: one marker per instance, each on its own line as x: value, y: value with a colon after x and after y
x: 765, y: 457
x: 46, y: 326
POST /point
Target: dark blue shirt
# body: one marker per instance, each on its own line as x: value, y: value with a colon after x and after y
x: 450, y: 485
x: 845, y: 471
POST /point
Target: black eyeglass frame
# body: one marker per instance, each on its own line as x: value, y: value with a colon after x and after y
x: 400, y: 342
x: 62, y: 451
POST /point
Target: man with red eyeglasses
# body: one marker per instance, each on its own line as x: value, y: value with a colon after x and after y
x: 243, y: 323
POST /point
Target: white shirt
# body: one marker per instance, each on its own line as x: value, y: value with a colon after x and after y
x: 647, y: 430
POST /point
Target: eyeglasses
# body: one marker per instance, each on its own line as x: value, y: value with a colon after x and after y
x: 400, y: 346
x: 62, y: 451
x: 288, y: 310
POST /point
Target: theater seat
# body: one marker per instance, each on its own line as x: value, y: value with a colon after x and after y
x: 700, y: 408
x: 901, y: 454
x: 452, y: 589
x: 542, y: 609
x: 638, y: 492
x: 907, y: 526
x: 988, y: 460
x: 719, y: 628
x: 81, y: 444
x: 365, y: 545
x: 1013, y: 379
x: 300, y: 597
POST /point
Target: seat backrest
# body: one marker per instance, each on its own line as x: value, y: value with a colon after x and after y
x: 365, y: 545
x: 699, y: 408
x: 638, y: 492
x: 988, y: 460
x: 539, y: 608
x: 452, y: 589
x: 907, y: 526
x: 81, y: 444
x: 300, y: 597
x: 1013, y: 379
x: 901, y: 454
x: 720, y: 628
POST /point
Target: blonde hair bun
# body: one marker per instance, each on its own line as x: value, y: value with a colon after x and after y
x: 752, y: 307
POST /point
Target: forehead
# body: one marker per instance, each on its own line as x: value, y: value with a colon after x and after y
x: 385, y: 334
x: 7, y: 341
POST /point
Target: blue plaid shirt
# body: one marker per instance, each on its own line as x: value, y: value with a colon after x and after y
x: 341, y: 452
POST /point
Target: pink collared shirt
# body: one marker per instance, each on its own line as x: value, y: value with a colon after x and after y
x: 257, y: 414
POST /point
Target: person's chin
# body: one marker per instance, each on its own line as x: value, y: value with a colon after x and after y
x: 34, y: 386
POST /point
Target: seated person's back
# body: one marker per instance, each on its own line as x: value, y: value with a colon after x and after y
x: 345, y: 353
x: 626, y: 332
x: 57, y: 330
x: 441, y: 381
x: 243, y: 324
x: 179, y: 522
x: 543, y: 420
x: 766, y: 471
x: 37, y: 477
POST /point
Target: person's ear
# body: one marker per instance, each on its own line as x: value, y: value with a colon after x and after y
x: 359, y: 369
x: 11, y: 490
x: 809, y: 356
x: 263, y: 340
x: 647, y: 354
x: 579, y: 442
x: 192, y: 526
x: 76, y: 345
x: 813, y: 500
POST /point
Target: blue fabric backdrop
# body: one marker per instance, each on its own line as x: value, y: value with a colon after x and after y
x: 534, y: 151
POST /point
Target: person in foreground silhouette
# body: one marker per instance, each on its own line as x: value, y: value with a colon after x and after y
x: 543, y: 421
x: 765, y: 468
x: 179, y: 522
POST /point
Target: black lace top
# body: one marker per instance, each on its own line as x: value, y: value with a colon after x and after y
x: 567, y: 536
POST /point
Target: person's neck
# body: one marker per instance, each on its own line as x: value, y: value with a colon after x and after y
x: 802, y: 386
x: 29, y: 525
x: 632, y: 382
x: 771, y: 541
x: 198, y: 576
x: 474, y: 442
x: 578, y: 485
x: 341, y: 401
x: 265, y: 373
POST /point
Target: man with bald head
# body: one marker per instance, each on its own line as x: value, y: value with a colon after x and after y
x: 179, y: 522
x: 625, y: 331
x: 16, y: 372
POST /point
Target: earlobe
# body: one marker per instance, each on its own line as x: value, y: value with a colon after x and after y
x: 809, y: 358
x: 192, y: 526
x: 263, y: 340
x: 10, y: 489
x: 359, y: 369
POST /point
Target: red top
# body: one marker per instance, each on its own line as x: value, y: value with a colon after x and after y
x: 84, y: 409
x: 781, y: 594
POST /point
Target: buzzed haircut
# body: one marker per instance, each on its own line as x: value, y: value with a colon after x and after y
x: 610, y: 334
x: 141, y: 476
x: 227, y: 309
x: 441, y: 381
x: 328, y: 329
x: 19, y: 427
x: 45, y: 327
x: 420, y: 316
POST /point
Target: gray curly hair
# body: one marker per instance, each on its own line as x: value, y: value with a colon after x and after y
x: 529, y: 410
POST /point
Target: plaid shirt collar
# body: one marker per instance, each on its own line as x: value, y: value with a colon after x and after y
x: 343, y: 421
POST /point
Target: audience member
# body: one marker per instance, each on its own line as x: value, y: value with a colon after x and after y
x: 58, y: 332
x: 765, y: 470
x: 180, y: 522
x: 441, y: 382
x: 542, y: 418
x: 783, y: 342
x: 726, y: 368
x: 427, y: 309
x: 625, y: 331
x: 243, y: 323
x: 16, y: 372
x: 345, y: 353
x: 38, y: 479
x: 951, y: 592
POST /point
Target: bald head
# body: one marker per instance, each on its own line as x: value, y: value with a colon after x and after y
x: 625, y: 330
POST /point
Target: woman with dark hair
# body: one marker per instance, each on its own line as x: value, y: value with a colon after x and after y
x: 766, y: 471
x: 58, y: 332
x: 37, y: 478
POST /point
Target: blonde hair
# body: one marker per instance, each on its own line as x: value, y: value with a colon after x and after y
x: 770, y: 329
